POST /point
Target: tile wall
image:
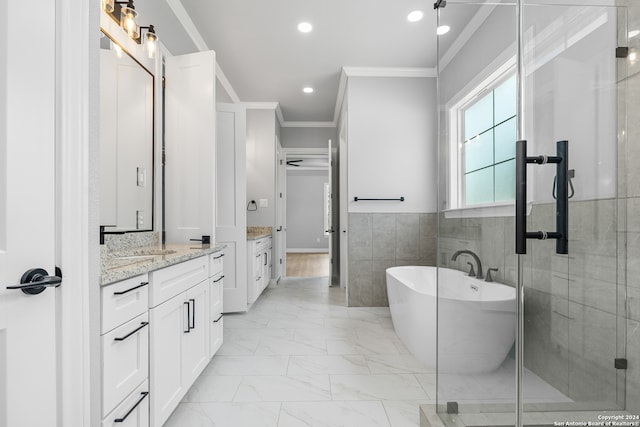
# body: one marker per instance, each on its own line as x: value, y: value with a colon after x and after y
x: 378, y: 241
x: 576, y: 318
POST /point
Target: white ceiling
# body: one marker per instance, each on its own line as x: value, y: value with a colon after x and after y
x: 266, y: 59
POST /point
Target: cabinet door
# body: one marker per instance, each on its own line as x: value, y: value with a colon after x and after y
x: 215, y: 320
x: 195, y: 344
x: 168, y: 327
x: 125, y: 362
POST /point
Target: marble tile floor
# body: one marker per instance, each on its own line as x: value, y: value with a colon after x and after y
x: 300, y: 357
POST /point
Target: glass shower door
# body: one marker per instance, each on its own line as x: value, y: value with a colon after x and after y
x: 578, y: 334
x: 574, y: 69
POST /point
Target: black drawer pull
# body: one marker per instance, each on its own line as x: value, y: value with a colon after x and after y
x: 121, y: 420
x: 218, y: 319
x: 193, y: 314
x: 218, y: 257
x: 188, y: 315
x: 132, y: 289
x: 142, y: 325
x: 216, y: 281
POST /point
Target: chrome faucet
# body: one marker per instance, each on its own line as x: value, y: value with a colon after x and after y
x: 475, y: 257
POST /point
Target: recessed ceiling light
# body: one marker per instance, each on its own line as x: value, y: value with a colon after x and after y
x: 415, y: 16
x: 443, y: 29
x: 307, y: 90
x: 305, y: 27
x: 633, y: 33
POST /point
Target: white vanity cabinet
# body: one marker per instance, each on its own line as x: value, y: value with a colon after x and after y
x: 259, y: 267
x: 125, y: 351
x: 216, y: 289
x: 179, y: 348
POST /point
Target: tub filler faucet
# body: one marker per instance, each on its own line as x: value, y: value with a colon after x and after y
x: 475, y: 257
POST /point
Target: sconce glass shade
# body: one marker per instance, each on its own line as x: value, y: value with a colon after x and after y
x: 108, y: 5
x: 151, y: 43
x: 128, y: 22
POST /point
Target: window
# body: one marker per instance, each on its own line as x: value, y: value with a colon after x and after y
x: 482, y: 127
x: 488, y: 145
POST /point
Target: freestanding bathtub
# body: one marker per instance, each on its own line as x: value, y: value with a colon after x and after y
x: 476, y: 327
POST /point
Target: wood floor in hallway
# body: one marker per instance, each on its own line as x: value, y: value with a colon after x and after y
x: 307, y: 264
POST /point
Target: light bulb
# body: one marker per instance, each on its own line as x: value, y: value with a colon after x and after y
x: 128, y: 22
x: 151, y: 45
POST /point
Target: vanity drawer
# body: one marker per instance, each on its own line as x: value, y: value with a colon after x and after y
x: 216, y: 263
x: 133, y: 411
x: 125, y: 364
x: 123, y: 301
x: 171, y: 281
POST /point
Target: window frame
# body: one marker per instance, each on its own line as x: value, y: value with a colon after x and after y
x: 455, y: 112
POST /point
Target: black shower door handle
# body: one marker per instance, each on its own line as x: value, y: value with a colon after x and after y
x: 562, y: 202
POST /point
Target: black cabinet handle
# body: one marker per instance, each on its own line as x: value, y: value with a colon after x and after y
x: 217, y: 280
x: 142, y: 325
x: 132, y: 289
x: 188, y: 315
x: 218, y: 319
x: 193, y: 313
x: 218, y: 257
x: 265, y: 258
x: 121, y: 420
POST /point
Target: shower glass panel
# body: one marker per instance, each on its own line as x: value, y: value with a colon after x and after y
x: 574, y: 89
x: 577, y: 352
x: 477, y: 319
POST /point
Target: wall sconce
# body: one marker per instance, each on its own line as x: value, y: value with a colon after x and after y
x: 150, y: 41
x: 128, y: 21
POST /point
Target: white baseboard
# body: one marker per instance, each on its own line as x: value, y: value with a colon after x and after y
x: 308, y: 250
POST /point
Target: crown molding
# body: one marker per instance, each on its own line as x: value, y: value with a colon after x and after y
x: 342, y: 89
x: 389, y: 72
x: 191, y: 29
x: 224, y: 82
x: 261, y: 105
x: 308, y: 124
x: 465, y: 35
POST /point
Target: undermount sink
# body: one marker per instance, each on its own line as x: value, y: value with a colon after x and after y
x: 144, y: 253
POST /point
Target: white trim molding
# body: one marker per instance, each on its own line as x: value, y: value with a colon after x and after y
x: 389, y: 72
x: 77, y: 210
x: 260, y: 105
x: 191, y: 29
x: 224, y: 82
x: 308, y: 124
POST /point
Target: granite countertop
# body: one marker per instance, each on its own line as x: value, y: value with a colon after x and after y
x: 255, y: 233
x: 117, y: 266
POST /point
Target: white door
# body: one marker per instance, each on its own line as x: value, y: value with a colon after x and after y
x: 231, y: 194
x: 344, y: 205
x: 190, y: 138
x: 280, y: 176
x: 329, y: 207
x: 27, y: 203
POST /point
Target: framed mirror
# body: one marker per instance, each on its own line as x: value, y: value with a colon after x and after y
x: 126, y: 140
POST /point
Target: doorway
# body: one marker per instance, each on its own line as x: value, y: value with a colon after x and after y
x: 307, y: 203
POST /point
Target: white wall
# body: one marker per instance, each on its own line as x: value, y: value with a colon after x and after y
x: 305, y: 210
x: 261, y: 162
x: 221, y: 94
x: 392, y: 145
x: 308, y: 137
